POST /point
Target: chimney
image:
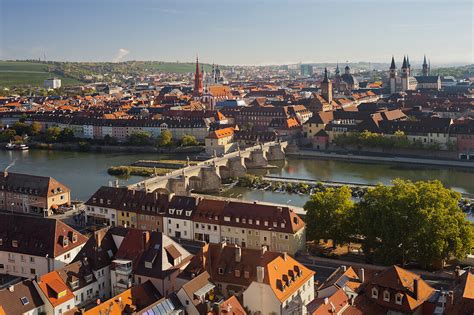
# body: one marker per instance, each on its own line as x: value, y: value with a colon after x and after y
x: 457, y: 272
x: 11, y: 288
x: 344, y: 268
x: 415, y: 288
x: 285, y: 256
x: 223, y: 244
x: 264, y: 249
x: 362, y: 275
x: 326, y: 301
x: 238, y: 253
x: 116, y: 183
x: 260, y: 274
x: 145, y: 238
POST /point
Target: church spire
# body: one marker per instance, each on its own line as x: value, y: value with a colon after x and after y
x: 392, y: 66
x: 404, y: 65
x: 197, y: 80
x: 326, y: 79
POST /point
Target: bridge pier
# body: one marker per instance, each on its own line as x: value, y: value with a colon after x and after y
x: 256, y: 159
x: 178, y: 185
x: 237, y: 167
x: 276, y: 152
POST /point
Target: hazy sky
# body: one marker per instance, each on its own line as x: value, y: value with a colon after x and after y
x: 238, y: 31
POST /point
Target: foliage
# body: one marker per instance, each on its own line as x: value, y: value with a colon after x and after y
x: 52, y: 134
x: 371, y: 139
x: 165, y: 138
x: 139, y: 138
x: 408, y: 221
x: 327, y: 215
x: 189, y: 140
x: 136, y: 171
x: 21, y: 128
x: 66, y: 135
x: 7, y: 135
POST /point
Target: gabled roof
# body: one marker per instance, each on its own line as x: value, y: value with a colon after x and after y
x: 221, y: 133
x: 31, y: 184
x: 37, y: 236
x: 99, y: 249
x: 21, y: 299
x: 132, y: 300
x: 55, y: 289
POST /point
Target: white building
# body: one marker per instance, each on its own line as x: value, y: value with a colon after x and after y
x: 178, y: 221
x: 52, y: 83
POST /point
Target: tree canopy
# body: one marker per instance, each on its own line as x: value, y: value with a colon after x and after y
x: 165, y: 138
x: 188, y: 140
x: 406, y: 222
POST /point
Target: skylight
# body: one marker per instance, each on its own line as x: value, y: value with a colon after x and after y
x: 24, y: 300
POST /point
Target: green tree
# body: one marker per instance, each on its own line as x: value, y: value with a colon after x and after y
x: 408, y: 221
x: 52, y: 134
x: 109, y: 140
x: 327, y: 215
x: 21, y: 128
x: 66, y: 135
x: 165, y: 138
x: 139, y: 138
x: 35, y: 128
x: 7, y: 135
x: 188, y: 140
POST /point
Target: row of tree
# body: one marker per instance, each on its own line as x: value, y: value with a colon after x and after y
x: 54, y: 134
x: 406, y: 222
x: 399, y: 140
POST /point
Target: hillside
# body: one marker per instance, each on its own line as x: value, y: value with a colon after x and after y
x: 24, y: 73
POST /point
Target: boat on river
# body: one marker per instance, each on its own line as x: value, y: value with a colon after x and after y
x: 16, y: 147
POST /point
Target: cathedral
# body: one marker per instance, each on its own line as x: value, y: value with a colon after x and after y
x: 345, y: 82
x: 210, y: 89
x: 408, y: 82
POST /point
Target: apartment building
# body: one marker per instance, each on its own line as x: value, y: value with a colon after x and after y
x: 23, y: 193
x: 31, y: 246
x: 255, y: 225
x: 178, y: 221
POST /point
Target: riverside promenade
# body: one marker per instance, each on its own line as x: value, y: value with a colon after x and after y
x: 382, y: 159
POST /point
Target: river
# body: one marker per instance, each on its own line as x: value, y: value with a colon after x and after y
x: 84, y: 172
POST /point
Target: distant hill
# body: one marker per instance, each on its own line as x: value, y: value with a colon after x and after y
x: 22, y: 73
x: 25, y: 73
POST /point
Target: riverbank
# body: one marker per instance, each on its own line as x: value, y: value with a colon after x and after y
x: 309, y: 154
x: 88, y: 147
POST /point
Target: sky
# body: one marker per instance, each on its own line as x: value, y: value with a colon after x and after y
x: 238, y: 32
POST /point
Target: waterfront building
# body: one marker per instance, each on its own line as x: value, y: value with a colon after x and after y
x: 24, y: 193
x: 31, y: 246
x: 220, y: 141
x: 206, y: 220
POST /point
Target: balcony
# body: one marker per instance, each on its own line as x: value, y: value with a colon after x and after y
x: 124, y: 283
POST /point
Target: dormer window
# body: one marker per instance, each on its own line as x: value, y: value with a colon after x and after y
x: 265, y: 223
x: 375, y: 293
x: 257, y: 222
x: 399, y: 298
x: 250, y: 221
x: 101, y: 201
x: 14, y: 243
x: 74, y: 284
x: 244, y: 221
x: 246, y: 274
x: 108, y: 201
x: 282, y: 225
x: 275, y: 224
x: 386, y: 296
x: 188, y: 213
x: 220, y: 270
x: 88, y: 278
x: 237, y: 220
x: 237, y: 273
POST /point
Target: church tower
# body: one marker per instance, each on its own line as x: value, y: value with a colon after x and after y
x: 393, y: 77
x: 426, y: 71
x: 337, y: 78
x: 197, y: 81
x: 405, y: 74
x: 326, y: 87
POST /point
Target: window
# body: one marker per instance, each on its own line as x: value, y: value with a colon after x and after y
x: 386, y: 296
x: 33, y: 271
x: 375, y: 293
x: 221, y: 271
x: 398, y: 298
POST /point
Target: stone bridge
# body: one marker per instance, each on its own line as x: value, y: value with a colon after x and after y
x: 207, y: 176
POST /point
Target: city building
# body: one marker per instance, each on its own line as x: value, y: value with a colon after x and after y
x: 407, y: 81
x: 21, y: 298
x: 23, y: 193
x: 52, y: 83
x: 31, y: 246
